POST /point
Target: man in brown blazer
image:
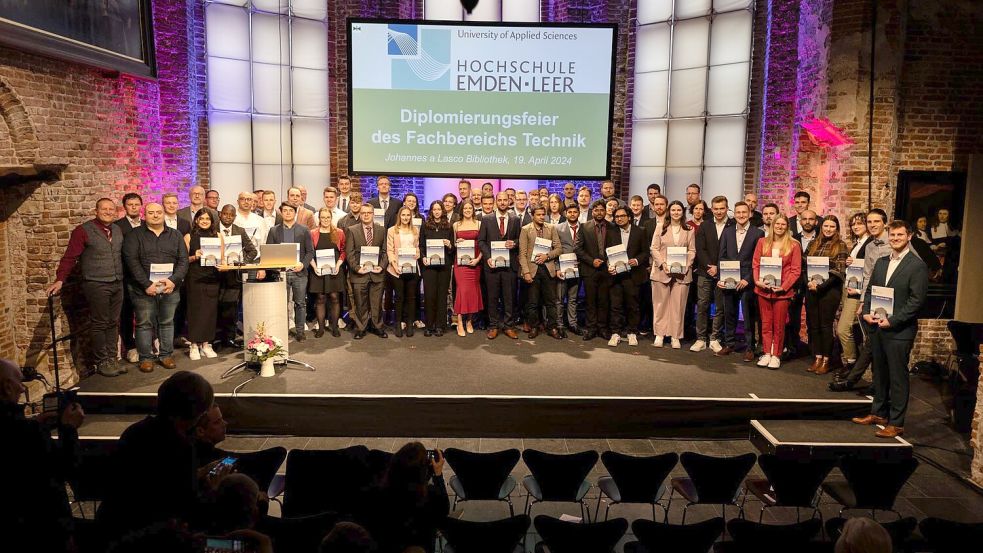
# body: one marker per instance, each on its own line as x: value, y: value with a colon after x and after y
x: 295, y: 197
x: 366, y: 282
x: 538, y: 271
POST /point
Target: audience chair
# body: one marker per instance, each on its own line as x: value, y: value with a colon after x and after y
x: 298, y: 533
x: 576, y: 537
x: 558, y: 477
x: 755, y: 537
x: 89, y: 536
x: 94, y: 473
x: 789, y: 483
x: 900, y: 531
x: 948, y: 536
x: 261, y: 465
x: 871, y: 484
x: 691, y: 538
x: 378, y: 462
x: 635, y: 480
x: 497, y: 536
x: 482, y: 476
x: 711, y: 480
x: 325, y: 480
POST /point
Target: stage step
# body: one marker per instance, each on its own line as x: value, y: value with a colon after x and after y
x: 815, y: 439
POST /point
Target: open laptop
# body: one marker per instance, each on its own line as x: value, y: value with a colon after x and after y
x: 286, y: 255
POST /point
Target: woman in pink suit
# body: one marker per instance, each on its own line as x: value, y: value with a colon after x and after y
x: 671, y: 287
x: 773, y: 301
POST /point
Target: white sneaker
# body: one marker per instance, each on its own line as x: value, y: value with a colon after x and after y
x: 632, y: 340
x: 658, y: 341
x: 207, y: 351
x: 193, y: 353
x: 698, y: 345
x: 615, y: 340
x: 715, y: 346
x: 133, y: 356
x: 341, y: 323
x: 675, y: 343
x: 419, y: 324
x: 765, y: 359
x: 776, y: 361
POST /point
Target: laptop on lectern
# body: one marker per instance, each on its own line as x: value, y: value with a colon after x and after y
x: 286, y: 255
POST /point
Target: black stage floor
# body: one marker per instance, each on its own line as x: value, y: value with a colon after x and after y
x: 471, y: 386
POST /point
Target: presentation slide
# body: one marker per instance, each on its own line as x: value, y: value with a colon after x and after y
x: 496, y: 100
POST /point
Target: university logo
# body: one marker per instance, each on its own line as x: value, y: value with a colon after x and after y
x: 420, y: 58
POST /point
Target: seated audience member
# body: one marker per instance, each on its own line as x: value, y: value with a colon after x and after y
x: 208, y: 433
x: 237, y: 505
x: 156, y: 477
x: 171, y: 536
x: 863, y: 535
x: 35, y: 515
x: 348, y: 537
x: 405, y: 510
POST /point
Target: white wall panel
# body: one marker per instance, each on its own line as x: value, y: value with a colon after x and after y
x: 310, y: 44
x: 228, y: 84
x: 311, y: 9
x: 730, y: 38
x: 228, y: 32
x: 724, y: 181
x: 642, y: 176
x: 725, y: 141
x: 677, y: 179
x: 685, y: 143
x: 315, y: 178
x: 274, y: 6
x: 271, y: 140
x: 728, y: 89
x: 239, y: 3
x: 520, y: 10
x: 486, y: 10
x: 651, y: 95
x: 229, y: 138
x: 727, y: 5
x: 271, y: 89
x: 444, y: 10
x: 309, y: 89
x: 691, y: 8
x: 687, y: 89
x: 652, y: 44
x: 310, y: 140
x: 689, y: 43
x: 274, y: 177
x: 271, y: 39
x: 230, y: 179
x: 652, y: 11
x: 648, y: 142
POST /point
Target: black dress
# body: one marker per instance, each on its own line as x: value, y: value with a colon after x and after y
x: 203, y: 289
x: 326, y: 284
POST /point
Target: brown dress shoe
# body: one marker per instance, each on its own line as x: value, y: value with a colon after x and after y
x: 492, y: 333
x: 815, y: 363
x: 555, y: 334
x: 822, y: 368
x: 869, y: 420
x: 890, y: 432
x: 533, y: 332
x: 749, y: 355
x: 168, y: 363
x: 146, y: 366
x: 511, y: 333
x: 526, y: 327
x: 725, y: 351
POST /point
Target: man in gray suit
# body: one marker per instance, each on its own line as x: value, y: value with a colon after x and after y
x: 196, y: 194
x: 366, y: 282
x: 538, y: 272
x: 891, y: 338
x: 568, y: 288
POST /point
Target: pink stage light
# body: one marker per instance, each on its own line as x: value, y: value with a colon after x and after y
x: 825, y: 134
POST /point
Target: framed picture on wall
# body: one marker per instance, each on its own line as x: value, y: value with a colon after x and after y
x: 925, y: 193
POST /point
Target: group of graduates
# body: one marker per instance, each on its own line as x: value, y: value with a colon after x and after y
x: 515, y: 260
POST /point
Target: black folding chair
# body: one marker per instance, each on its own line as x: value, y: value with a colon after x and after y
x: 655, y: 536
x: 482, y: 476
x: 789, y: 483
x: 871, y: 484
x: 949, y: 536
x: 497, y: 536
x: 767, y: 538
x: 558, y: 477
x: 91, y: 479
x: 635, y: 480
x: 325, y: 480
x: 577, y: 537
x: 712, y: 480
x: 298, y: 533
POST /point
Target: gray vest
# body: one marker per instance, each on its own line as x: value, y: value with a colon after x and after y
x: 101, y: 260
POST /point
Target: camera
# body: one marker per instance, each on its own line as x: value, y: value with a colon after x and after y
x: 226, y: 462
x: 431, y: 455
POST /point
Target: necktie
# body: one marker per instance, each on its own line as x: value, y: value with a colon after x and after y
x: 228, y: 232
x: 574, y: 229
x: 385, y: 205
x: 344, y: 205
x: 501, y: 227
x: 368, y: 234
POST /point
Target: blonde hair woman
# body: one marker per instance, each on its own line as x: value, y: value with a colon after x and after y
x: 330, y: 283
x: 773, y: 301
x: 404, y: 236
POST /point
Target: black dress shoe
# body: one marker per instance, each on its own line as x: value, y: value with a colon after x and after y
x: 382, y: 334
x: 604, y: 334
x: 335, y: 332
x: 399, y: 331
x: 359, y: 334
x: 575, y: 330
x: 409, y: 330
x: 589, y: 335
x: 301, y: 336
x: 842, y: 386
x: 438, y: 331
x: 319, y: 332
x: 427, y: 332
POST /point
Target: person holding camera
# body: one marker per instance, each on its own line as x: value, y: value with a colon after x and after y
x: 406, y: 508
x: 37, y: 516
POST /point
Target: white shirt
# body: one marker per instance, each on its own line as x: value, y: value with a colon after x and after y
x: 384, y: 202
x: 741, y: 234
x: 134, y: 222
x: 625, y: 232
x: 171, y: 222
x: 856, y: 249
x: 255, y: 226
x: 499, y: 216
x: 344, y: 202
x: 269, y: 218
x: 941, y: 231
x: 720, y: 226
x: 583, y: 215
x: 893, y: 263
x: 806, y: 240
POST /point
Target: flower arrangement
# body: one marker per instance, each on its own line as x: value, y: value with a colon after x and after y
x: 263, y: 346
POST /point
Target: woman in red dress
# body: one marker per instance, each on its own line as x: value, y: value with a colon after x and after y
x: 467, y: 278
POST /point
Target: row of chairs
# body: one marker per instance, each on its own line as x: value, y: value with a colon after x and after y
x: 557, y: 536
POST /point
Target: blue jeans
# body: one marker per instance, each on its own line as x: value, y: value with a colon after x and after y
x: 297, y: 282
x: 154, y: 313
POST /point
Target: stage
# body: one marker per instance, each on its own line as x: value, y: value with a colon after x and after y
x: 473, y: 387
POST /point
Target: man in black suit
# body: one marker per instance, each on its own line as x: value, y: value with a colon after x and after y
x: 708, y: 334
x: 809, y: 223
x: 500, y: 226
x: 892, y: 337
x: 290, y: 231
x: 592, y: 259
x: 757, y: 218
x: 132, y: 206
x: 658, y: 209
x: 637, y: 211
x: 737, y: 243
x: 231, y: 281
x: 653, y: 191
x: 800, y: 203
x: 521, y: 209
x: 385, y: 201
x: 625, y: 286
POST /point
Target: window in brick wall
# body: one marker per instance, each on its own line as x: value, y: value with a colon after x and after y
x: 692, y: 76
x: 267, y: 95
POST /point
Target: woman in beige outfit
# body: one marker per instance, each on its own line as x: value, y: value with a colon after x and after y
x: 670, y: 289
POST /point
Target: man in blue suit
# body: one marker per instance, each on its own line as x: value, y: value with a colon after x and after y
x: 737, y: 243
x: 891, y: 338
